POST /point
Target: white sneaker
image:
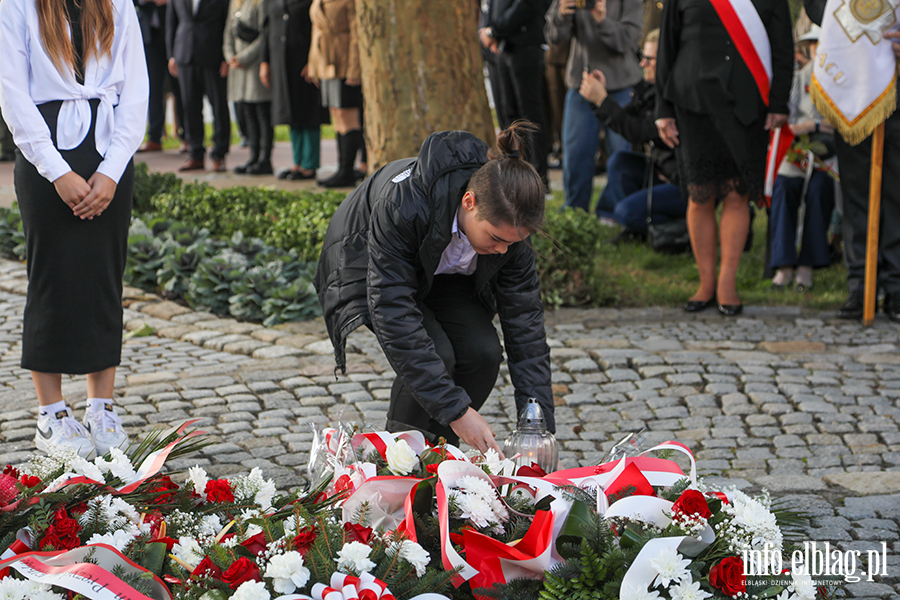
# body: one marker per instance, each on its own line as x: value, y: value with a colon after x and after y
x: 61, y: 430
x: 105, y: 428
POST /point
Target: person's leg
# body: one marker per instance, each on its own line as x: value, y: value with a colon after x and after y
x: 309, y: 156
x: 100, y: 418
x: 101, y: 383
x: 814, y: 249
x: 346, y: 123
x: 251, y: 133
x: 890, y: 217
x: 581, y: 130
x: 155, y: 53
x: 48, y: 387
x: 783, y: 224
x: 527, y: 78
x: 668, y: 203
x: 191, y: 81
x: 217, y: 91
x: 504, y: 91
x: 626, y: 173
x: 855, y: 163
x: 56, y: 427
x: 614, y: 141
x: 262, y: 112
x: 701, y: 220
x: 733, y: 227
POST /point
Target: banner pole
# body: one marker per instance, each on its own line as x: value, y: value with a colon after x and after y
x: 872, y: 234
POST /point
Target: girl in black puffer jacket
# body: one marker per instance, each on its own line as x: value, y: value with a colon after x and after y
x: 424, y: 253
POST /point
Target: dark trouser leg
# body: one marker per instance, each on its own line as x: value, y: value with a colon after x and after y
x: 157, y: 68
x: 465, y: 339
x: 191, y: 80
x: 247, y: 110
x: 216, y: 90
x: 266, y: 132
x: 626, y: 173
x: 525, y: 74
x: 783, y: 221
x: 814, y: 250
x: 890, y: 207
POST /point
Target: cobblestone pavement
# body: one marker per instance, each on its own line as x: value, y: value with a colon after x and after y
x: 801, y: 404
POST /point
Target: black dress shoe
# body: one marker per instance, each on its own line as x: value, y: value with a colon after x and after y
x: 693, y: 306
x: 853, y: 307
x: 731, y: 310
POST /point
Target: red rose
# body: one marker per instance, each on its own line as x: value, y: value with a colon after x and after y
x: 691, y: 502
x: 357, y: 533
x: 219, y: 490
x: 432, y: 468
x: 50, y: 539
x: 534, y: 470
x: 11, y: 471
x: 255, y: 544
x: 241, y: 570
x: 728, y: 576
x: 207, y: 568
x: 304, y: 539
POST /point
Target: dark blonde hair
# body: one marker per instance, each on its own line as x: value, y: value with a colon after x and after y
x: 97, y: 30
x: 507, y: 188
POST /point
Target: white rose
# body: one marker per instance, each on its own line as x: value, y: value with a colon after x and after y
x: 401, y: 458
x: 251, y: 590
x: 287, y: 572
x: 415, y: 555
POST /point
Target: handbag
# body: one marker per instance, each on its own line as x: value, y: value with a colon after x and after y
x: 244, y: 32
x: 671, y: 237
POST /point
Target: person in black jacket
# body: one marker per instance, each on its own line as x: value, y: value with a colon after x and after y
x: 513, y: 31
x: 424, y: 253
x: 624, y: 199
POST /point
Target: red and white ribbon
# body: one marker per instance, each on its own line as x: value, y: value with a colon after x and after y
x: 749, y: 35
x: 348, y: 587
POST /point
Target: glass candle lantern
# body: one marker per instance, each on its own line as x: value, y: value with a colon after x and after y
x: 531, y: 440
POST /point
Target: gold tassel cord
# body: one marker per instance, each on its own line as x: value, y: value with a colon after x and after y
x: 862, y: 126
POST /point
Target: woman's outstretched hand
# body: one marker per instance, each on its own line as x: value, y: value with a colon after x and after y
x: 668, y: 131
x: 475, y: 431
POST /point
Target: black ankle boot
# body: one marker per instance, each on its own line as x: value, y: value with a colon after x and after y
x: 254, y: 158
x: 263, y: 167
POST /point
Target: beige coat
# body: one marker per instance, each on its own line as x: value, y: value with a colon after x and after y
x: 244, y: 84
x: 334, y: 50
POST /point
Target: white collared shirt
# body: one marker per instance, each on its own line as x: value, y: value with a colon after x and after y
x: 28, y: 78
x: 459, y: 256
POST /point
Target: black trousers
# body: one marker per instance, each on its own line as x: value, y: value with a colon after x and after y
x: 258, y: 127
x: 518, y: 83
x: 160, y: 81
x: 197, y: 82
x: 855, y: 163
x: 465, y: 338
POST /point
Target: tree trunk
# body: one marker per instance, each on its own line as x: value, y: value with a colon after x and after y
x: 421, y: 72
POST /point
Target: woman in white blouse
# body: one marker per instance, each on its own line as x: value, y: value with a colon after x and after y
x: 74, y: 89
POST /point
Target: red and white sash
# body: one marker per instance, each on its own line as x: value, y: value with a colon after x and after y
x: 748, y: 33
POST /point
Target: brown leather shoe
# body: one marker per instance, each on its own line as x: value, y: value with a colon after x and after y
x: 218, y: 166
x: 191, y: 165
x: 150, y: 147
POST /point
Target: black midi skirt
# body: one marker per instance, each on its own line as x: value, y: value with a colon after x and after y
x: 73, y: 312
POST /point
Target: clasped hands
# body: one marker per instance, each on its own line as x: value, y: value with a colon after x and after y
x: 87, y: 199
x: 593, y: 87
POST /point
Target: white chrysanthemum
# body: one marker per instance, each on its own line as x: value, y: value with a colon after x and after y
x: 753, y: 516
x: 785, y: 595
x: 23, y: 589
x: 475, y: 485
x: 637, y: 593
x: 197, y: 476
x: 82, y: 466
x: 412, y: 553
x: 500, y: 511
x: 354, y: 556
x: 401, y: 458
x: 688, y: 590
x: 123, y: 508
x: 118, y: 539
x: 497, y: 465
x: 287, y: 572
x: 188, y: 550
x: 802, y: 585
x: 251, y: 590
x: 669, y: 566
x: 209, y: 526
x: 475, y: 508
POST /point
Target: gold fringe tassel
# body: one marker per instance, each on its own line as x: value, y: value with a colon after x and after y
x: 862, y: 127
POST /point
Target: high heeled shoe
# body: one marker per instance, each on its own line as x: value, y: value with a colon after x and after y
x: 693, y: 306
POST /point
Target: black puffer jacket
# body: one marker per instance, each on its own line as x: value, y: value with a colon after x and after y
x: 381, y: 250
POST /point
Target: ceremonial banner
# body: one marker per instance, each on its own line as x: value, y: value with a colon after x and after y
x: 854, y: 76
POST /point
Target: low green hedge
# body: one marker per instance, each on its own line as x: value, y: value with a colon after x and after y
x: 250, y: 252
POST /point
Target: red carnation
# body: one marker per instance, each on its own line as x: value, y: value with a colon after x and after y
x: 219, y: 490
x: 255, y: 544
x: 304, y: 539
x: 432, y: 468
x: 691, y: 502
x: 207, y: 568
x: 29, y: 481
x: 357, y: 533
x: 241, y: 570
x: 728, y: 576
